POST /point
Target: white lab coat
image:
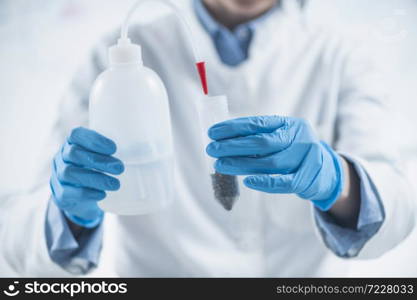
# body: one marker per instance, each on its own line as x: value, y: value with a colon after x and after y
x: 293, y: 70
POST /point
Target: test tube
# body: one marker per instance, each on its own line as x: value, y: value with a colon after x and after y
x: 213, y: 110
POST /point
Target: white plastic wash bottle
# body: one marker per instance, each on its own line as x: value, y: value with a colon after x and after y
x: 129, y: 104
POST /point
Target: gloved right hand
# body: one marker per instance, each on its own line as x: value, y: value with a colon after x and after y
x: 78, y: 180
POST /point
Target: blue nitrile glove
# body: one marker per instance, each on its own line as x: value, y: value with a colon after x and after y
x: 78, y: 180
x: 284, y: 148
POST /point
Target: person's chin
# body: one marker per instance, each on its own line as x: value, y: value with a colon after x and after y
x: 247, y: 8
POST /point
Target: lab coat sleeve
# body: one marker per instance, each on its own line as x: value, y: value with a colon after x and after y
x: 76, y: 254
x: 365, y: 133
x: 23, y: 232
x: 348, y: 242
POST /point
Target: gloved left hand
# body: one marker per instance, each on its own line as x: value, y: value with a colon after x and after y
x: 282, y: 155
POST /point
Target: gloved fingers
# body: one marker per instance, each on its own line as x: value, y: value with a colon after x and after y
x: 247, y: 126
x: 79, y: 156
x: 278, y: 184
x: 277, y: 163
x: 86, y: 211
x: 77, y: 201
x: 92, y: 140
x: 73, y: 175
x: 255, y: 145
x: 87, y: 194
x: 68, y: 196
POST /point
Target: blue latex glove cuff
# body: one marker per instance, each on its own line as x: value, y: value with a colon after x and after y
x: 326, y: 204
x: 84, y: 223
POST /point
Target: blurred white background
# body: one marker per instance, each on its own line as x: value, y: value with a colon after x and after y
x: 44, y: 41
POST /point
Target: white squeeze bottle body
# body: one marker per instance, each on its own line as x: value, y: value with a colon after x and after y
x: 129, y: 104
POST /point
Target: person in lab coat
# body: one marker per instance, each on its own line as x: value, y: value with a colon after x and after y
x: 281, y: 76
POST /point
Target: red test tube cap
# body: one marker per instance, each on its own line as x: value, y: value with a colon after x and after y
x: 201, y: 68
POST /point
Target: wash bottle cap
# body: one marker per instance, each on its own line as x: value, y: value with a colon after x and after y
x: 125, y: 52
